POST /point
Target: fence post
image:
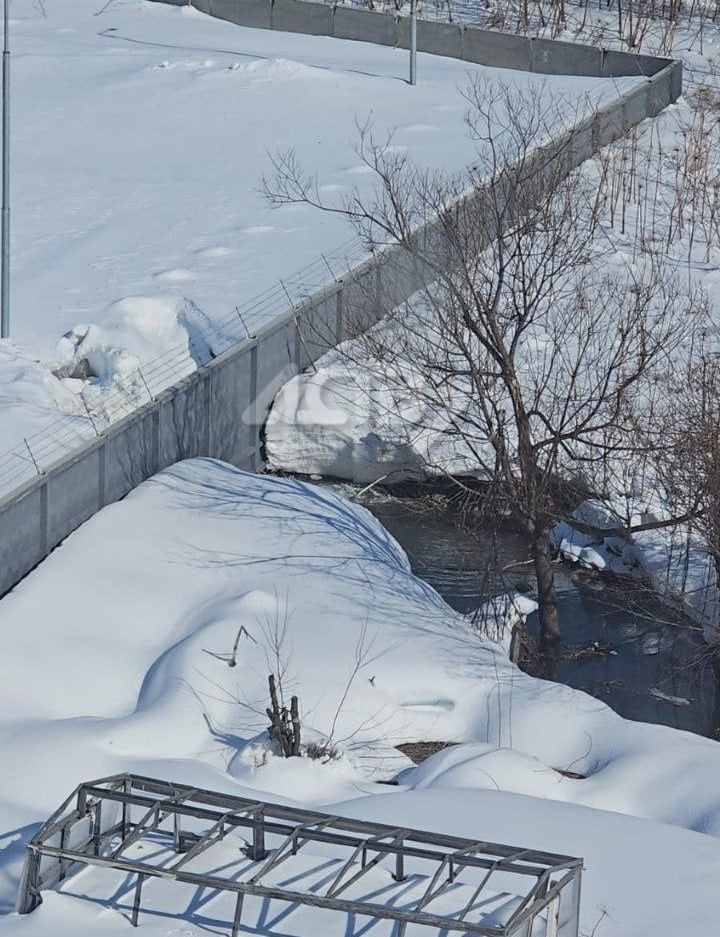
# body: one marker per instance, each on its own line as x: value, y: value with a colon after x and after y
x: 253, y: 407
x: 44, y: 518
x: 102, y: 473
x: 29, y: 896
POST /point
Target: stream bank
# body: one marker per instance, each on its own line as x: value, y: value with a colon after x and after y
x: 619, y: 642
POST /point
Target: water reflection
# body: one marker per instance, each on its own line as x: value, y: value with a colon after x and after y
x: 619, y: 643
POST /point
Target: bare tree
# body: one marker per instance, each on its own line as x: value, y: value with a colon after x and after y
x: 687, y: 466
x: 521, y: 347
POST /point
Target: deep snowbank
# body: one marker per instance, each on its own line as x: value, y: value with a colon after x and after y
x: 115, y: 657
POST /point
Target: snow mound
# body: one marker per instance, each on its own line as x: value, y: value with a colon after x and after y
x: 148, y: 343
x: 342, y: 422
x: 274, y: 69
x: 30, y: 395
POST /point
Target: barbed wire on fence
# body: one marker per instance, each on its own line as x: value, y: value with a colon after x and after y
x: 103, y: 405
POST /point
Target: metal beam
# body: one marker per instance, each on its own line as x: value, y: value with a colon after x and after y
x: 367, y: 908
x: 347, y: 839
x: 456, y: 857
x: 213, y: 835
x: 538, y: 889
x: 289, y: 847
x: 374, y: 843
x: 476, y: 894
x: 143, y: 826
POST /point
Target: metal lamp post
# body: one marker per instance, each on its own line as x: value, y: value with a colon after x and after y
x: 5, y: 228
x: 413, y: 41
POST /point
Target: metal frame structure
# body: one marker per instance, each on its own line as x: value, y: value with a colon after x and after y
x: 102, y: 820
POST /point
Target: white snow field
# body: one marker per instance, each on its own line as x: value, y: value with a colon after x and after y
x: 140, y: 135
x: 115, y: 657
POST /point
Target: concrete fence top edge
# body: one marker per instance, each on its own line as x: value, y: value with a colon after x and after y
x: 288, y: 15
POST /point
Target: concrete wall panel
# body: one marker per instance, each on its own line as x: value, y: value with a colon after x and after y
x: 608, y: 126
x: 379, y: 28
x: 276, y: 364
x: 313, y: 19
x: 399, y: 276
x: 317, y: 329
x: 183, y: 421
x: 253, y: 13
x: 627, y: 65
x: 23, y: 544
x: 582, y: 143
x: 440, y: 38
x: 233, y: 428
x: 550, y: 57
x: 131, y: 454
x: 659, y: 92
x: 675, y: 70
x: 496, y: 49
x: 634, y: 106
x: 360, y: 302
x: 73, y: 495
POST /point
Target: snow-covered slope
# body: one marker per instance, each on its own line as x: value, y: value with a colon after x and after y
x: 116, y: 656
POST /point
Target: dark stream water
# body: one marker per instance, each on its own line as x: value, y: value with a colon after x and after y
x: 657, y: 653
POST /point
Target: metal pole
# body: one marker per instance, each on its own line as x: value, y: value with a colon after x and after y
x: 5, y: 232
x: 413, y: 41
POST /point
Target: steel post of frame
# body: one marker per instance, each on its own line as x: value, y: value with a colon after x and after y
x: 136, y: 900
x: 29, y: 897
x: 552, y: 896
x: 571, y: 925
x: 125, y: 809
x: 237, y: 916
x: 258, y: 851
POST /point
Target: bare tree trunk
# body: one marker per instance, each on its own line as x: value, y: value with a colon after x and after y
x: 547, y: 599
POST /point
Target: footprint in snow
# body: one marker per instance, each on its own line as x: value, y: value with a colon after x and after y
x: 437, y: 705
x: 419, y: 128
x: 175, y: 276
x: 214, y: 252
x: 257, y: 229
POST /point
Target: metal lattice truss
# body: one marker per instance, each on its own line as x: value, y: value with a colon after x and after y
x: 112, y: 823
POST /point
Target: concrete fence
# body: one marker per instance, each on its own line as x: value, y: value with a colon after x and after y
x: 220, y: 409
x: 483, y: 47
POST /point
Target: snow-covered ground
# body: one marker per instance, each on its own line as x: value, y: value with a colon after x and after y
x: 116, y: 657
x: 140, y: 134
